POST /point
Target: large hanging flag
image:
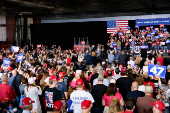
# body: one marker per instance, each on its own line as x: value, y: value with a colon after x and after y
x: 114, y: 25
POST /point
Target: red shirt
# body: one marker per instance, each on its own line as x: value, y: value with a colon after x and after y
x: 106, y: 74
x: 157, y: 42
x: 68, y: 61
x: 160, y: 59
x: 6, y: 91
x: 128, y: 112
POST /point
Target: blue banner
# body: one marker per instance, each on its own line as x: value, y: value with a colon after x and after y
x: 14, y: 48
x: 156, y: 37
x: 118, y: 48
x: 157, y: 70
x: 148, y: 35
x: 136, y: 26
x: 119, y: 33
x: 164, y: 29
x: 113, y: 44
x: 128, y: 27
x: 151, y: 27
x: 155, y: 21
x: 6, y: 62
x: 20, y: 57
x: 167, y: 41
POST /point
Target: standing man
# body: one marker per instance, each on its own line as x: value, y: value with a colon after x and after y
x: 143, y: 103
x: 27, y: 105
x: 14, y: 73
x: 78, y: 96
x: 158, y: 106
x: 131, y: 62
x: 89, y: 61
x: 110, y: 58
x: 6, y: 91
x: 130, y: 105
x: 135, y: 94
x: 86, y: 106
x: 52, y: 94
x: 122, y: 59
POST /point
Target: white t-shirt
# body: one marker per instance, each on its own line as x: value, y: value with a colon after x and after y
x: 77, y: 97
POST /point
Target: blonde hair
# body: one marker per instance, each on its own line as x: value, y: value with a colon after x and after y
x: 138, y: 59
x: 114, y: 106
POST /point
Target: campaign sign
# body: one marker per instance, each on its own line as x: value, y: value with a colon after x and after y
x: 83, y: 42
x: 156, y: 37
x: 167, y: 41
x: 157, y: 29
x: 143, y: 30
x: 119, y: 33
x: 161, y: 35
x: 128, y: 27
x: 148, y: 28
x: 152, y: 33
x: 113, y: 44
x: 113, y: 34
x: 164, y: 34
x: 161, y: 25
x: 151, y: 27
x: 6, y: 62
x: 118, y: 48
x: 136, y: 26
x: 122, y: 36
x: 14, y: 48
x: 38, y: 46
x: 164, y: 29
x: 130, y: 40
x: 143, y: 47
x: 143, y: 33
x: 148, y: 35
x: 19, y: 57
x: 157, y: 70
x: 70, y: 106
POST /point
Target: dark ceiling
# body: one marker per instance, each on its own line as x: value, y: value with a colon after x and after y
x: 72, y: 7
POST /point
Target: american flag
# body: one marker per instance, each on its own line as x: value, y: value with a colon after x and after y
x: 113, y: 25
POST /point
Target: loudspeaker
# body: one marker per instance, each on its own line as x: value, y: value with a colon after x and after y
x: 144, y: 53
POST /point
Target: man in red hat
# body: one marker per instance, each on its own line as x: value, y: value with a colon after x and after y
x: 62, y: 86
x: 27, y: 105
x: 78, y: 96
x: 158, y: 106
x: 86, y: 106
x: 52, y: 94
x: 58, y: 106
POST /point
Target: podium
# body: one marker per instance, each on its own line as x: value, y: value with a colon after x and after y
x: 143, y: 50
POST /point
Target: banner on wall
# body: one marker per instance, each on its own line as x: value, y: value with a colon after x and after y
x: 155, y: 21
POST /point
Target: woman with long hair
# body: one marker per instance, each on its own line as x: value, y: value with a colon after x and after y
x: 33, y: 92
x: 42, y: 83
x: 160, y: 59
x: 114, y: 106
x: 109, y: 95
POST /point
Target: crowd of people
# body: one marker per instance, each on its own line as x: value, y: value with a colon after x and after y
x: 98, y: 80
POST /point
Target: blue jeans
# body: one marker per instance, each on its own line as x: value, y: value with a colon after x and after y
x: 133, y: 48
x: 153, y: 47
x: 98, y: 110
x: 168, y: 46
x: 166, y: 110
x: 162, y: 47
x: 149, y: 47
x: 157, y: 48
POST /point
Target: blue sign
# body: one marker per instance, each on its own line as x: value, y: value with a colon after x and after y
x: 148, y: 35
x: 6, y: 62
x: 136, y: 26
x: 14, y: 48
x: 151, y: 27
x: 168, y: 41
x: 152, y: 33
x: 118, y: 48
x: 156, y: 21
x: 128, y: 27
x: 119, y: 33
x: 70, y: 106
x: 161, y: 35
x: 143, y: 36
x: 157, y: 70
x: 113, y: 44
x: 164, y: 29
x: 19, y: 57
x: 143, y: 30
x: 143, y: 47
x: 156, y: 37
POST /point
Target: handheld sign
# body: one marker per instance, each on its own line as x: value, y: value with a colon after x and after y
x: 118, y: 48
x: 6, y: 62
x: 152, y: 33
x: 119, y: 33
x: 156, y: 37
x: 147, y: 28
x: 151, y: 27
x: 164, y: 29
x: 14, y: 48
x: 136, y: 26
x: 157, y: 70
x: 148, y: 35
x: 161, y: 25
x: 164, y: 34
x: 70, y: 106
x: 128, y: 27
x: 167, y: 41
x: 113, y: 44
x: 157, y: 29
x: 19, y: 57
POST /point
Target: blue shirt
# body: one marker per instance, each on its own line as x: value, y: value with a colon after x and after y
x: 62, y: 87
x: 110, y: 58
x: 10, y: 81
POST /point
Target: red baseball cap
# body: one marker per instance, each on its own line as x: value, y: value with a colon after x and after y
x: 123, y: 70
x: 158, y: 104
x: 45, y: 65
x: 9, y: 68
x: 27, y: 101
x: 53, y: 77
x: 57, y: 105
x: 85, y: 104
x: 51, y: 70
x: 79, y: 82
x: 61, y: 74
x: 1, y: 69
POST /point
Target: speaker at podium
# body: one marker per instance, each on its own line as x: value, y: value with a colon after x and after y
x: 143, y: 51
